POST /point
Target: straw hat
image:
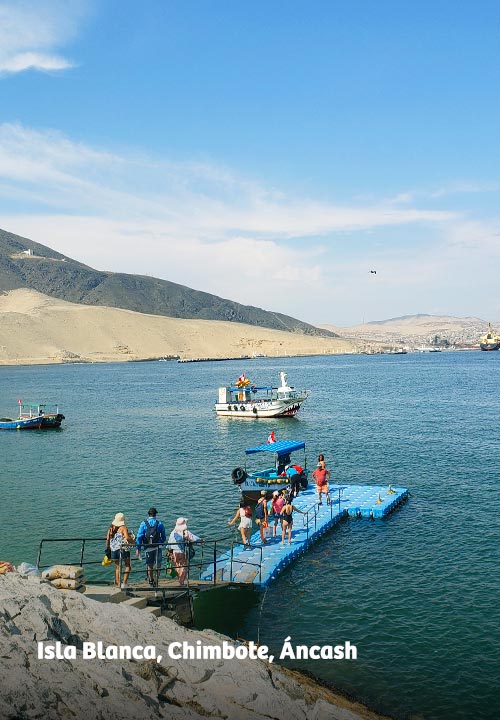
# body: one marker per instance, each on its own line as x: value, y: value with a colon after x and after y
x: 119, y: 520
x: 181, y: 524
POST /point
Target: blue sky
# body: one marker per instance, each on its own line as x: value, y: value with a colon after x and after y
x: 272, y: 153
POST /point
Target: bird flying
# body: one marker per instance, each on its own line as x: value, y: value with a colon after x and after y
x: 374, y: 272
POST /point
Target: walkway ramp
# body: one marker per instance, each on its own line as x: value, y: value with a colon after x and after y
x: 262, y: 563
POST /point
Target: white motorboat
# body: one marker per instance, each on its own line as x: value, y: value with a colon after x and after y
x: 251, y: 401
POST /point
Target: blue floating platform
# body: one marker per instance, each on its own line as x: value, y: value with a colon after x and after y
x: 262, y: 563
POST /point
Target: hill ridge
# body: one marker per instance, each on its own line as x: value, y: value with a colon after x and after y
x: 76, y: 282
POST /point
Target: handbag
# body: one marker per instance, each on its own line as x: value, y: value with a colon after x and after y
x: 106, y: 561
x: 170, y: 571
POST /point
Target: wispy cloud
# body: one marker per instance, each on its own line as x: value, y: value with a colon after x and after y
x: 32, y: 31
x: 216, y: 230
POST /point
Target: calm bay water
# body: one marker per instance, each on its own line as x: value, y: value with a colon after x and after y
x: 416, y: 593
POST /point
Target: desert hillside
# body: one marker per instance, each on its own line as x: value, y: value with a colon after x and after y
x: 28, y: 264
x: 419, y: 330
x: 37, y: 329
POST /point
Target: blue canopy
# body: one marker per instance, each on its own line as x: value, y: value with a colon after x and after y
x: 281, y: 447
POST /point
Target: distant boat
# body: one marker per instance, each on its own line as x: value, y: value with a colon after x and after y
x: 490, y: 341
x: 249, y: 401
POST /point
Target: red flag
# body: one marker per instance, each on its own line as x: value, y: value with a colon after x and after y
x: 271, y: 438
x: 242, y: 378
x: 19, y: 401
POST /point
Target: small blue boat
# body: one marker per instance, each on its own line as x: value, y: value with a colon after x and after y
x: 34, y: 423
x: 34, y: 416
x: 273, y: 478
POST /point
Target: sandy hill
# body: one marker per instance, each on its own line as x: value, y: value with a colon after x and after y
x: 27, y: 264
x: 35, y: 328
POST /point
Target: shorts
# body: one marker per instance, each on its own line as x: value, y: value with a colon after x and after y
x: 322, y: 488
x: 115, y: 554
x: 245, y: 522
x: 153, y: 557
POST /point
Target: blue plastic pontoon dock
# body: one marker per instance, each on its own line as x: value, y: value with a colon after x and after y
x: 262, y: 563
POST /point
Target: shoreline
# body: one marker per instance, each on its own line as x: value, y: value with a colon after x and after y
x: 159, y: 688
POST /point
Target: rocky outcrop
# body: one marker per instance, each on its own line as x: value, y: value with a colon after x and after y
x: 33, y: 612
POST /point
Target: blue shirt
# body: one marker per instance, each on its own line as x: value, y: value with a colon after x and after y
x: 141, y: 535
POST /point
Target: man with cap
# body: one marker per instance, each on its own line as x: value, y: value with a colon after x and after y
x: 321, y: 476
x: 177, y: 542
x: 151, y: 536
x: 294, y: 475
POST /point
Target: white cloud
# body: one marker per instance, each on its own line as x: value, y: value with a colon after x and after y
x: 209, y: 228
x: 31, y: 31
x: 33, y: 61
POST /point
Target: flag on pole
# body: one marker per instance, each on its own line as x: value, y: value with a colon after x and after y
x: 271, y: 438
x: 242, y: 378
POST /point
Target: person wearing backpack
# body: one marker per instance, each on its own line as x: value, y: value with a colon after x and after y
x: 261, y: 515
x: 117, y: 538
x: 244, y: 513
x: 150, y: 537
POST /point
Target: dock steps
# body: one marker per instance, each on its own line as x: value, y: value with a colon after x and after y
x: 138, y: 602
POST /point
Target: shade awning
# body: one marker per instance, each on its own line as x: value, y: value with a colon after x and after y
x: 281, y: 447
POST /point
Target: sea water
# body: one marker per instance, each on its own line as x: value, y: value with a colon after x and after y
x: 417, y: 593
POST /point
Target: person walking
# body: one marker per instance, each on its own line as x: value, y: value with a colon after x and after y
x: 178, y: 541
x: 261, y: 515
x: 321, y: 476
x: 287, y: 521
x: 277, y: 504
x: 117, y: 539
x: 244, y: 513
x: 151, y: 536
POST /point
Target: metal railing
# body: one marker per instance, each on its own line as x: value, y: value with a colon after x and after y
x: 91, y: 551
x: 311, y: 514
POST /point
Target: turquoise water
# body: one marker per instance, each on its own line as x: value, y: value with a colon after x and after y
x: 416, y: 593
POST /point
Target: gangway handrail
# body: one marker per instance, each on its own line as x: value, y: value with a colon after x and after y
x: 85, y: 541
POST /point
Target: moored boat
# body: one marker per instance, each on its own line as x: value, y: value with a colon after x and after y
x: 49, y: 414
x: 490, y: 341
x: 250, y: 401
x: 34, y: 423
x: 275, y: 477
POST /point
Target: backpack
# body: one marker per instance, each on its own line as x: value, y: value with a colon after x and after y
x: 152, y: 535
x: 115, y: 541
x: 248, y: 511
x: 259, y: 511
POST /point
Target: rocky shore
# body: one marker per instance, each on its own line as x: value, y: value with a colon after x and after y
x: 33, y: 612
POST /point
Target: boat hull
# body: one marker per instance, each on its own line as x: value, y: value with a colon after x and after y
x: 255, y: 410
x: 256, y: 482
x: 490, y: 346
x: 49, y: 422
x: 28, y: 424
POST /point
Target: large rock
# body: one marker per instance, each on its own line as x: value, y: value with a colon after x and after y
x: 31, y: 611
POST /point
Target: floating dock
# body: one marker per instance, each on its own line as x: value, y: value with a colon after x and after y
x: 262, y: 563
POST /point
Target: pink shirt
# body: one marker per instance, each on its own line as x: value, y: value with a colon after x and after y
x: 278, y: 504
